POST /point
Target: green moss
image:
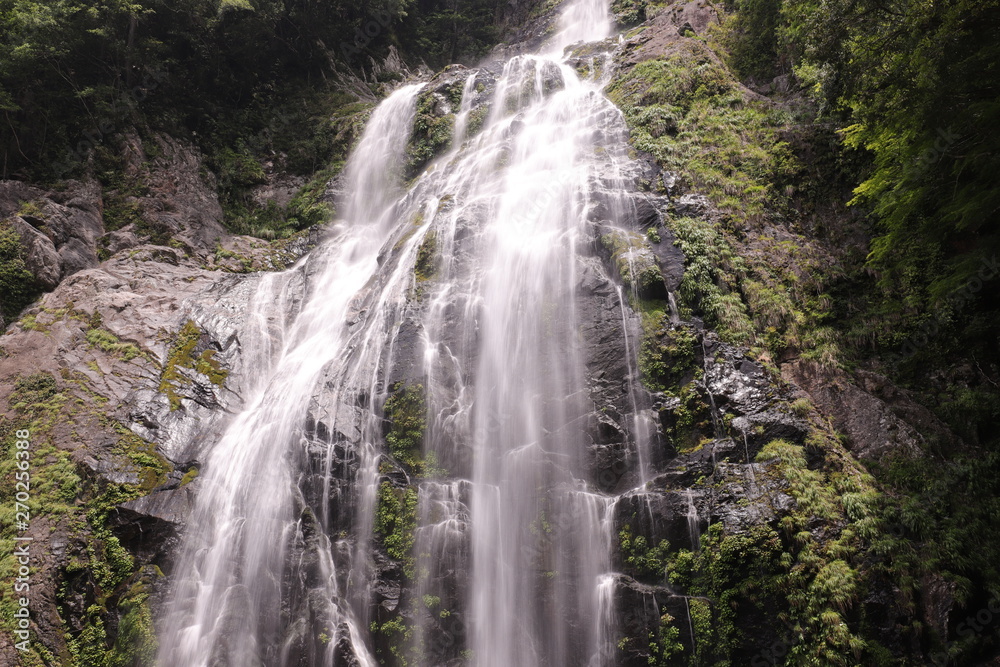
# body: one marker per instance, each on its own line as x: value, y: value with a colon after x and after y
x: 39, y: 405
x: 106, y: 341
x: 18, y: 286
x: 637, y: 269
x: 691, y: 420
x: 432, y: 134
x: 182, y: 355
x: 425, y: 267
x: 666, y: 354
x: 189, y: 477
x: 31, y: 209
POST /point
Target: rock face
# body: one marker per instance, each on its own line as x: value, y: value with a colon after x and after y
x: 180, y: 202
x: 121, y: 372
x: 875, y: 432
x: 59, y: 230
x: 169, y: 201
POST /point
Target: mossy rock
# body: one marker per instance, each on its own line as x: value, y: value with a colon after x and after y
x: 185, y: 354
x: 432, y: 134
x: 635, y: 262
x: 18, y: 285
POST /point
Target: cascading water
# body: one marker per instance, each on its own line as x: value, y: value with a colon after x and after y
x: 512, y: 548
x: 229, y: 599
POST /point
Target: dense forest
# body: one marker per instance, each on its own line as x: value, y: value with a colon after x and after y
x: 73, y: 70
x: 872, y: 134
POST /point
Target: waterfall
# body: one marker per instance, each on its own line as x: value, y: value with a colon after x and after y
x: 512, y: 547
x: 227, y: 604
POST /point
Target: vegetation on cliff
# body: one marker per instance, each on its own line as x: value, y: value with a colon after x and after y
x: 847, y: 150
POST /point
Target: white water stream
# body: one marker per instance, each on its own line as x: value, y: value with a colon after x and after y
x: 513, y: 544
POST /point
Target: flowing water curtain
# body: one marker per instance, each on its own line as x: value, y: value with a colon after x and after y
x: 538, y: 542
x: 230, y: 599
x: 512, y: 547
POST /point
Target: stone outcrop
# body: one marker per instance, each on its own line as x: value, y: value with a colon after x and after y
x: 59, y: 230
x: 874, y: 431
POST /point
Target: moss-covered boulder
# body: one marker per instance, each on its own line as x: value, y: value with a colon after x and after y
x: 635, y: 262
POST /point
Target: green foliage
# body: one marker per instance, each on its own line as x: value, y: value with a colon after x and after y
x: 641, y: 559
x: 396, y: 523
x: 666, y: 354
x: 664, y: 643
x: 451, y: 32
x: 317, y: 142
x: 18, y: 286
x: 74, y: 75
x: 917, y: 87
x: 136, y: 643
x: 710, y: 282
x: 691, y: 115
x: 750, y: 37
x: 237, y: 169
x: 432, y: 134
x: 628, y: 12
x: 939, y: 510
x: 806, y: 485
x: 397, y: 635
x: 692, y: 419
x: 406, y: 415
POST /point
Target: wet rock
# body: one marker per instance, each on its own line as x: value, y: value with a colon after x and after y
x: 149, y: 526
x: 669, y: 258
x: 670, y: 182
x: 692, y: 206
x: 748, y: 495
x: 937, y: 602
x: 658, y: 516
x: 634, y: 261
x: 640, y: 608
